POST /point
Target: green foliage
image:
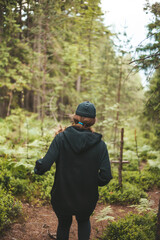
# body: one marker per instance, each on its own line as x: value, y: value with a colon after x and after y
x: 152, y: 107
x: 135, y: 182
x: 26, y: 185
x: 48, y: 67
x: 130, y: 156
x: 149, y: 61
x: 53, y: 55
x: 145, y: 152
x: 144, y: 205
x: 9, y: 208
x: 145, y: 180
x: 154, y: 170
x: 132, y: 177
x: 46, y: 186
x: 18, y: 156
x: 17, y: 170
x: 20, y: 186
x: 104, y: 214
x: 149, y: 179
x: 5, y: 179
x: 132, y: 227
x: 150, y: 51
x: 130, y: 193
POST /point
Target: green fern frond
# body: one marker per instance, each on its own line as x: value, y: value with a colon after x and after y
x: 144, y: 205
x: 154, y: 163
x: 104, y: 214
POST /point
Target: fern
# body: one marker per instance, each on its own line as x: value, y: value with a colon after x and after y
x: 144, y: 205
x: 104, y: 214
x: 154, y: 163
x: 23, y: 164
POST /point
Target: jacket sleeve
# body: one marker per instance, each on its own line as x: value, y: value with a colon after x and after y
x: 44, y: 164
x: 104, y: 175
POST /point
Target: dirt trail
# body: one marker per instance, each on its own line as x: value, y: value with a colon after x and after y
x: 40, y: 223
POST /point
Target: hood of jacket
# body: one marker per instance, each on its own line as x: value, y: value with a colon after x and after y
x: 81, y: 140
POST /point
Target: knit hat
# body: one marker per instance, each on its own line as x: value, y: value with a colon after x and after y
x: 86, y: 109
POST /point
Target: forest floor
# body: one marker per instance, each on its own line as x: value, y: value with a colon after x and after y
x: 40, y: 222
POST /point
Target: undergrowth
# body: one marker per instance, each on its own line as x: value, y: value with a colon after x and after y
x: 24, y: 139
x: 132, y: 227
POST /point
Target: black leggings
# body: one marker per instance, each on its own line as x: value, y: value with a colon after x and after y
x: 64, y: 224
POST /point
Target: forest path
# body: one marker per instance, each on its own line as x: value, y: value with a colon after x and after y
x: 40, y: 222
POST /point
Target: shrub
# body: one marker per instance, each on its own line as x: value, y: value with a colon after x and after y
x: 47, y: 186
x: 146, y: 180
x: 149, y: 178
x: 155, y: 171
x: 132, y: 177
x: 15, y: 185
x: 9, y: 208
x: 132, y: 158
x: 5, y: 179
x: 19, y: 186
x: 129, y: 194
x: 132, y: 227
x: 143, y: 152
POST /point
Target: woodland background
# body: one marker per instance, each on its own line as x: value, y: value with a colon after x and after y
x: 53, y: 55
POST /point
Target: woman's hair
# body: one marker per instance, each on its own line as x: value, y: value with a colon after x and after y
x: 61, y: 129
x: 87, y: 122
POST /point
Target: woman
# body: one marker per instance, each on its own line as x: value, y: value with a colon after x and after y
x: 82, y: 164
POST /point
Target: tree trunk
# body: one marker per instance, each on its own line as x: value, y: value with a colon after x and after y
x: 158, y: 223
x: 89, y: 46
x: 20, y: 18
x: 78, y: 84
x: 121, y: 159
x: 43, y: 88
x: 27, y: 21
x: 1, y: 22
x: 137, y: 152
x: 118, y: 102
x: 10, y: 101
x: 39, y: 62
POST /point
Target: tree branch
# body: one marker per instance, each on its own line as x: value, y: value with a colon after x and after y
x: 142, y: 59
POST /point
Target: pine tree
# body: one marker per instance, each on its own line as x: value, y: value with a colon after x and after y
x: 149, y: 61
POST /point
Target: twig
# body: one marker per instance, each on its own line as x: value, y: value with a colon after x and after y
x: 142, y: 59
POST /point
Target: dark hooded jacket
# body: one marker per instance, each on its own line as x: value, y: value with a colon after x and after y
x: 82, y: 164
